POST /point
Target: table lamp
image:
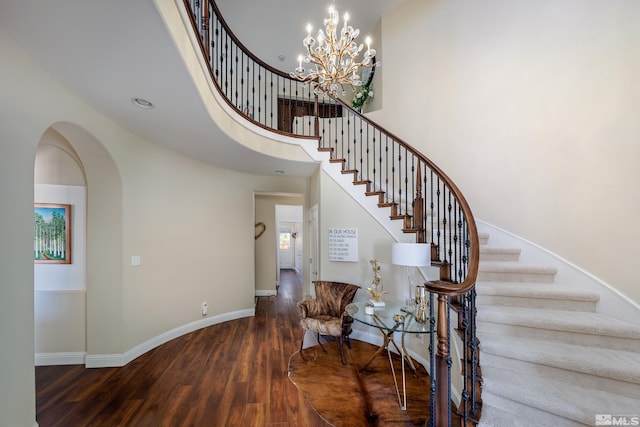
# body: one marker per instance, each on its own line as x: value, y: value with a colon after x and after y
x: 411, y: 255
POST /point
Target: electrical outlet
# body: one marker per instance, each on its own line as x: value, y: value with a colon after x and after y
x: 205, y: 308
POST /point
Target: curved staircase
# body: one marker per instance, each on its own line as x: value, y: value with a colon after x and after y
x: 548, y: 359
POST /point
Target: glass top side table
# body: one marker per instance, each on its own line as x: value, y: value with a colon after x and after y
x: 393, y: 317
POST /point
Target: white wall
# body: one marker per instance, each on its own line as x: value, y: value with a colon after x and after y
x: 19, y: 137
x: 531, y: 108
x: 142, y: 200
x: 339, y: 210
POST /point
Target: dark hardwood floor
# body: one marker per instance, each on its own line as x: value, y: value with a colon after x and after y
x: 230, y: 374
x: 236, y: 374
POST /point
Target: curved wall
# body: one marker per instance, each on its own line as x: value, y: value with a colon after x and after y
x: 191, y: 224
x: 531, y: 108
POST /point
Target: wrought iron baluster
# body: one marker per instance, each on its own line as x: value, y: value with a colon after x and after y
x: 386, y: 169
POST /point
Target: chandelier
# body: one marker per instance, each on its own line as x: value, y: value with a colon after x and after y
x: 333, y: 62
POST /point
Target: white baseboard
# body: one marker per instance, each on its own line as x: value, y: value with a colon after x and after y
x: 66, y: 358
x: 266, y: 293
x: 104, y: 361
x: 118, y: 360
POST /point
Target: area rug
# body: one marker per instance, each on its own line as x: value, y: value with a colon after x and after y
x: 347, y: 396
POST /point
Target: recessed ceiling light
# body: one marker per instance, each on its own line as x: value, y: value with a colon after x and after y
x: 142, y: 103
x: 281, y: 57
x: 279, y: 172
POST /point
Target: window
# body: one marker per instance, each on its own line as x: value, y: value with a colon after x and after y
x: 285, y: 240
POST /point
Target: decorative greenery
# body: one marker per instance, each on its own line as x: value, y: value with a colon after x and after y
x: 362, y: 96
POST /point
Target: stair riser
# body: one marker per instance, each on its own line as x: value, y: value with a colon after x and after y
x: 536, y: 417
x: 515, y: 276
x: 553, y: 304
x: 489, y: 253
x: 610, y: 342
x: 499, y: 257
x: 493, y: 361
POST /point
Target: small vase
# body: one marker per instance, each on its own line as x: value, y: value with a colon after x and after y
x: 422, y: 305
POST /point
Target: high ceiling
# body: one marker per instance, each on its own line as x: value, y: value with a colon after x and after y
x: 277, y: 27
x: 107, y: 52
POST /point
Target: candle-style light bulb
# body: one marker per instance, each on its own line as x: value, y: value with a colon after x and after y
x: 309, y: 29
x: 300, y: 61
x: 346, y: 20
x: 368, y: 41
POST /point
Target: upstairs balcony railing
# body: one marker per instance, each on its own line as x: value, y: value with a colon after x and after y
x: 404, y: 180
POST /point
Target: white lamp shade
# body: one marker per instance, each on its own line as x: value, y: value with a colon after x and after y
x: 411, y: 254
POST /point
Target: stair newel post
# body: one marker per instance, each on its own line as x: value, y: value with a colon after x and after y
x: 442, y: 365
x: 316, y: 119
x: 418, y: 207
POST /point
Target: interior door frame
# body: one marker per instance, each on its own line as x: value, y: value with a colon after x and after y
x: 314, y: 247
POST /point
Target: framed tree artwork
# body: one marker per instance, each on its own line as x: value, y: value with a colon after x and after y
x: 51, y: 233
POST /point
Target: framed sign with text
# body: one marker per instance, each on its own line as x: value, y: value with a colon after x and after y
x: 343, y: 244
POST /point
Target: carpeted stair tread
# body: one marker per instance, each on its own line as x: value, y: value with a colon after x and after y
x: 603, y: 362
x: 511, y: 266
x: 495, y: 417
x: 537, y: 290
x: 559, y: 320
x: 547, y: 358
x: 558, y: 398
x: 514, y: 271
x: 499, y: 249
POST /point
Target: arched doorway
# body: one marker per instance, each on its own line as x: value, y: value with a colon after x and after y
x: 60, y: 288
x: 67, y: 145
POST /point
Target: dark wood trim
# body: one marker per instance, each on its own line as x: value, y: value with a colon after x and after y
x: 289, y: 109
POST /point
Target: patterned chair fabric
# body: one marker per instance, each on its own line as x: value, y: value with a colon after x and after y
x: 325, y: 314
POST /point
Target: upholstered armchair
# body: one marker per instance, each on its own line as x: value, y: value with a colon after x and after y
x: 325, y: 314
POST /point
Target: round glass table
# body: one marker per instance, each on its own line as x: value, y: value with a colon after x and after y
x: 383, y: 318
x: 393, y: 317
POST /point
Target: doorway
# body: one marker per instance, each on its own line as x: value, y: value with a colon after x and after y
x: 276, y: 212
x: 290, y: 239
x: 60, y: 289
x: 286, y: 248
x: 314, y: 247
